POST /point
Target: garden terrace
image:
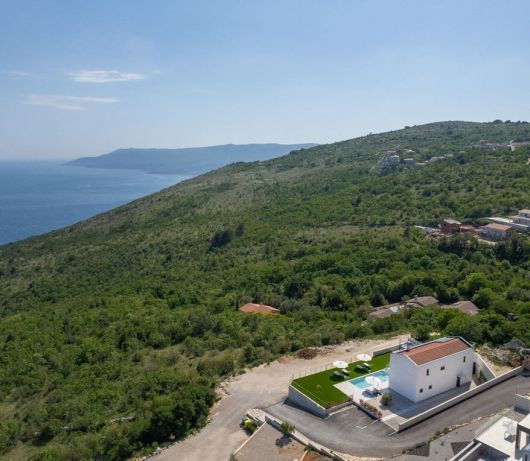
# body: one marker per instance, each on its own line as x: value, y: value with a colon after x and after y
x: 320, y: 387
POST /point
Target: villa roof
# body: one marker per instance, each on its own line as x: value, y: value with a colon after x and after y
x: 436, y: 349
x: 252, y: 308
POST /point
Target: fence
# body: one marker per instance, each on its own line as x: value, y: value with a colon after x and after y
x: 352, y: 359
x: 459, y: 398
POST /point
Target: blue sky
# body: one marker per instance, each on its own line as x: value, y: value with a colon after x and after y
x: 86, y: 77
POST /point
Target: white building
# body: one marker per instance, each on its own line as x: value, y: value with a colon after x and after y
x: 423, y: 371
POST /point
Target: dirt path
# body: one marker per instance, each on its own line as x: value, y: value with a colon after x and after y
x: 258, y: 387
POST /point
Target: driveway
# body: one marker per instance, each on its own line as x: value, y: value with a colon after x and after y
x: 351, y: 431
x: 258, y: 387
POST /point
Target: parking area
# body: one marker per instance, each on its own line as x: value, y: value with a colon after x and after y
x: 352, y: 431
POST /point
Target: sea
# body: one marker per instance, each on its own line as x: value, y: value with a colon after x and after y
x: 40, y: 196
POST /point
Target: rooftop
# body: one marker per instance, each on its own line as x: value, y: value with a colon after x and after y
x: 499, y: 227
x: 423, y: 300
x: 451, y: 221
x: 252, y: 308
x: 501, y: 437
x: 436, y: 349
x: 467, y: 307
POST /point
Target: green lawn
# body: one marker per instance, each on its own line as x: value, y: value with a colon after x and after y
x: 320, y: 387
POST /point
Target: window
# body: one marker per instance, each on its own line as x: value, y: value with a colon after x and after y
x: 427, y: 372
x: 421, y: 390
x: 430, y: 386
x: 464, y: 360
x: 442, y: 368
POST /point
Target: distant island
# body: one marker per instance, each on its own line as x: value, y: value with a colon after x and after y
x: 188, y: 161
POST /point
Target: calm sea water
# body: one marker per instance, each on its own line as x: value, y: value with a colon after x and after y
x: 37, y: 196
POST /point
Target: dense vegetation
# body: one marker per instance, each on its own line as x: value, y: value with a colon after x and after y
x: 114, y: 331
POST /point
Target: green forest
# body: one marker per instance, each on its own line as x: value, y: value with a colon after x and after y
x: 115, y: 331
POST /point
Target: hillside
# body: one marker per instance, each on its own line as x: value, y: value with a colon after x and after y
x: 114, y: 331
x: 187, y: 161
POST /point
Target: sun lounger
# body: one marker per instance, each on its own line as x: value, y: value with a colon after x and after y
x: 367, y: 365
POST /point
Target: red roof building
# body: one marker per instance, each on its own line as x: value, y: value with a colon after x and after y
x: 252, y: 308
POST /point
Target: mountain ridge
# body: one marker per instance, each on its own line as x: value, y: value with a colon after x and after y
x: 186, y: 160
x: 134, y: 312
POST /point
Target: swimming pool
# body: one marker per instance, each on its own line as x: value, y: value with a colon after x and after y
x: 362, y: 384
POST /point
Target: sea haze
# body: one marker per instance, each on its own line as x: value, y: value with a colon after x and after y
x: 40, y: 196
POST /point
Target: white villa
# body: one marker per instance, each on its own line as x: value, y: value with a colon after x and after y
x: 423, y: 371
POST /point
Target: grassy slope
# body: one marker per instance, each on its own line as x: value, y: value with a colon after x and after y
x: 117, y: 315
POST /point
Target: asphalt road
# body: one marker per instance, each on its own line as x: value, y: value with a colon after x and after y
x: 352, y: 431
x: 260, y: 386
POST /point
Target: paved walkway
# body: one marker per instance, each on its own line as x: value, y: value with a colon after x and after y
x: 258, y: 387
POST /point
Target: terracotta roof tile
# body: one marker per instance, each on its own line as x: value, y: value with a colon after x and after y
x: 499, y: 227
x: 252, y: 308
x: 436, y: 350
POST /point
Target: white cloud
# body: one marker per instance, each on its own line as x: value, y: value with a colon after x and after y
x: 17, y: 73
x: 103, y: 76
x: 66, y: 102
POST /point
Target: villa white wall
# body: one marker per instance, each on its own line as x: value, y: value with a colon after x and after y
x: 412, y: 381
x: 402, y: 376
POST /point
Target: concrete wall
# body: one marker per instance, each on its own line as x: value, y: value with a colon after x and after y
x: 522, y: 402
x: 483, y: 366
x: 459, y: 398
x: 299, y: 399
x: 385, y: 350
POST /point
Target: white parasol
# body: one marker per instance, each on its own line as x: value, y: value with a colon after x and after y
x: 373, y: 380
x: 340, y: 364
x: 364, y: 357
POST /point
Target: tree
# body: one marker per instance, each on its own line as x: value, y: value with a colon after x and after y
x: 221, y: 238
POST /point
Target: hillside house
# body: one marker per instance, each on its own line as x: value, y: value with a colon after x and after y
x: 523, y: 217
x: 396, y: 308
x: 466, y: 307
x: 421, y: 301
x: 450, y: 226
x: 494, y: 231
x: 521, y: 222
x: 252, y: 308
x: 423, y: 371
x: 409, y: 162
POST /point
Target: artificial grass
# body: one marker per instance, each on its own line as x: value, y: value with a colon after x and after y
x: 320, y: 387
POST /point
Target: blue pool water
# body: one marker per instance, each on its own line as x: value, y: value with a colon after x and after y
x: 362, y: 384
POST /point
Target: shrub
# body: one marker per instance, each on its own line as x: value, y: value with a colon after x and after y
x: 386, y: 398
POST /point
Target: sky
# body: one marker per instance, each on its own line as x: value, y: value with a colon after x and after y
x: 87, y: 77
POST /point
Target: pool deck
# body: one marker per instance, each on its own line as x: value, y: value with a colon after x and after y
x: 400, y: 409
x: 356, y: 393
